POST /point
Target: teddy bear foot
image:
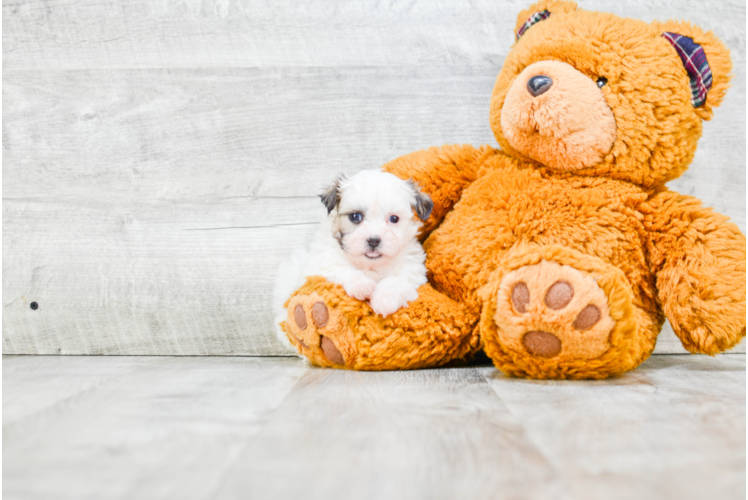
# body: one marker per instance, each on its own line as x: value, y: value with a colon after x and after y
x: 319, y: 333
x: 551, y: 310
x: 560, y: 314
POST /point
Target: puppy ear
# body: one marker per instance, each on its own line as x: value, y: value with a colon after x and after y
x: 331, y: 197
x: 422, y: 203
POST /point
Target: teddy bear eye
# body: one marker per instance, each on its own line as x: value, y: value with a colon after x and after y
x: 601, y: 81
x: 356, y: 217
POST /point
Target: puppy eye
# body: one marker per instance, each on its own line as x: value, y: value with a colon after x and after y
x: 394, y: 219
x: 356, y: 217
x: 601, y: 81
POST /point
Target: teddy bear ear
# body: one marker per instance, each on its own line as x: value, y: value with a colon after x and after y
x: 706, y: 61
x: 538, y: 12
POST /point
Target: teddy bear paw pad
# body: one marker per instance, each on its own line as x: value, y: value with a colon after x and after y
x: 549, y: 310
x: 321, y: 335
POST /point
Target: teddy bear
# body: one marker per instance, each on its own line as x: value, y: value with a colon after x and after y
x: 561, y: 253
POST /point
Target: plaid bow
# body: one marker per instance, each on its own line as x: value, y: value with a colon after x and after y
x: 694, y: 60
x: 538, y: 16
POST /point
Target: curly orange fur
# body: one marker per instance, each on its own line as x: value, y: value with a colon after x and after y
x: 605, y: 222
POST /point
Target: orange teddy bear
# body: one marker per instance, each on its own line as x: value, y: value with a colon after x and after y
x: 561, y: 253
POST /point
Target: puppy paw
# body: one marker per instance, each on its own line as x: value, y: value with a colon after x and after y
x: 391, y: 294
x: 360, y: 287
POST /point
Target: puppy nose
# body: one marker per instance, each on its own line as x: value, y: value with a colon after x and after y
x: 538, y: 85
x: 373, y: 242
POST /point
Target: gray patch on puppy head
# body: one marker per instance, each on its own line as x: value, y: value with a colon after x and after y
x: 337, y: 231
x: 331, y: 197
x: 339, y: 237
x: 422, y: 203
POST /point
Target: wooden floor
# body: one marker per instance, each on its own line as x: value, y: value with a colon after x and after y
x: 240, y: 427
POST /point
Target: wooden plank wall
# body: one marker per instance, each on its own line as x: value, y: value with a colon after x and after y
x: 162, y: 158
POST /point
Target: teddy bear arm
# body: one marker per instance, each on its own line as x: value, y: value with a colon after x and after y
x: 443, y: 173
x: 332, y: 329
x: 698, y: 258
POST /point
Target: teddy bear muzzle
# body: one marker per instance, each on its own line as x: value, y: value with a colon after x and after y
x: 558, y: 116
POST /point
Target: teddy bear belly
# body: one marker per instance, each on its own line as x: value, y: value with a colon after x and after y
x: 504, y: 211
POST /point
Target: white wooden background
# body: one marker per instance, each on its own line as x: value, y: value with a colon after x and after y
x: 161, y: 158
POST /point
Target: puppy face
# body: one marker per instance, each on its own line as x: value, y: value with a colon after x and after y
x: 372, y: 216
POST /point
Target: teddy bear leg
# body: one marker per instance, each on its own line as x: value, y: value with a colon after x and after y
x: 557, y: 313
x: 334, y: 330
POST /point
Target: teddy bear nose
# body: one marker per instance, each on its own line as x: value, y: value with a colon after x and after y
x: 538, y: 85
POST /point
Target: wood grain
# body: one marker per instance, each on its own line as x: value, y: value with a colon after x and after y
x: 129, y: 129
x: 91, y: 427
x: 174, y: 251
x: 636, y: 436
x: 248, y: 33
x: 153, y: 427
x: 435, y: 434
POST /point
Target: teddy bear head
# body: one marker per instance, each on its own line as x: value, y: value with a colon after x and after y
x: 591, y: 93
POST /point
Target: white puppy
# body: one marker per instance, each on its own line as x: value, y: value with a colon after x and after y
x: 367, y: 243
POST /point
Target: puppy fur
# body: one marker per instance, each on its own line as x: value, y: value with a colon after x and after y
x: 367, y: 243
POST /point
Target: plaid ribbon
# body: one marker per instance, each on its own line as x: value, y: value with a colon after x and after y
x: 538, y: 16
x: 694, y: 60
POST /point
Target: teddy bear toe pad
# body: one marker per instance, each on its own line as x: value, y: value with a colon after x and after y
x: 552, y: 310
x: 542, y: 344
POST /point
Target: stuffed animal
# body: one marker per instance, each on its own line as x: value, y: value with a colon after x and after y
x: 561, y: 253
